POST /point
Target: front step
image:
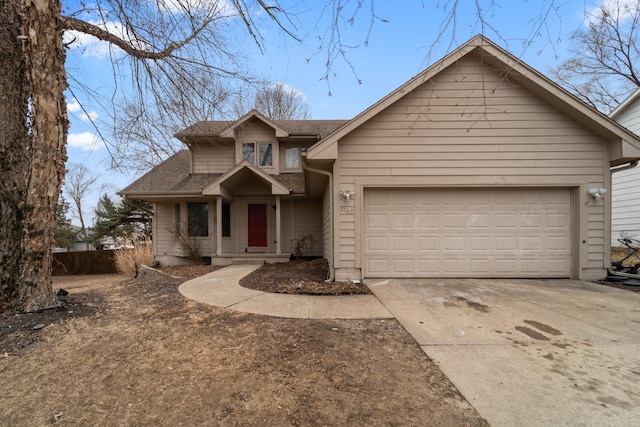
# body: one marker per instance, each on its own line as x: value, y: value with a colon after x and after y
x: 249, y: 259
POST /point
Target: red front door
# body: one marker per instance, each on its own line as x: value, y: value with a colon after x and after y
x: 257, y: 219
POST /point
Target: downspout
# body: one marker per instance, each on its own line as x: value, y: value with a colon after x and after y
x: 308, y: 168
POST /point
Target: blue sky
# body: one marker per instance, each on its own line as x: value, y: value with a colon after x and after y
x: 397, y: 50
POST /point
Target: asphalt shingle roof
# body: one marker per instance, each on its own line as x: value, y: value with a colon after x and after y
x: 172, y: 177
x: 321, y: 128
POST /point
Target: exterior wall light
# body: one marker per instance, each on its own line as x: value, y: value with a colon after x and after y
x: 597, y: 193
x: 347, y: 194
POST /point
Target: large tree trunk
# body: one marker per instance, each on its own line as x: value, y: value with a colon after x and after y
x: 39, y: 154
x: 13, y: 150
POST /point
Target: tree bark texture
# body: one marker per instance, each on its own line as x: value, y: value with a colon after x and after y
x: 13, y: 150
x: 40, y: 155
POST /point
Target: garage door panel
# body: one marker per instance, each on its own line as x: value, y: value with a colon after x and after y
x: 505, y: 243
x: 505, y: 220
x: 480, y: 243
x: 454, y: 221
x: 427, y: 244
x: 479, y: 221
x: 467, y: 233
x: 402, y: 243
x: 377, y: 221
x: 402, y: 222
x: 378, y: 244
x: 480, y: 265
x: 530, y: 220
x: 426, y: 222
x: 453, y: 266
x: 506, y: 267
x: 453, y: 243
x: 531, y: 244
x: 403, y: 266
x: 377, y: 266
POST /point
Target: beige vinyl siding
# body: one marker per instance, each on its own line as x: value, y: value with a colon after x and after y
x: 469, y: 127
x: 257, y: 131
x: 625, y: 197
x: 213, y: 158
x: 630, y: 118
x: 163, y: 238
x: 302, y: 217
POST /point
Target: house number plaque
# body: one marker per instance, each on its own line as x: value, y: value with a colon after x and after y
x: 346, y: 210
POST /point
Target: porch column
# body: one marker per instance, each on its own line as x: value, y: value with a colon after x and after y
x: 278, y: 227
x: 218, y: 226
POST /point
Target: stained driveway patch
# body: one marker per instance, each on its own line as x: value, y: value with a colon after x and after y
x: 528, y: 352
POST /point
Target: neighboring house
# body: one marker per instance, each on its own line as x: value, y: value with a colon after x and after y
x: 478, y: 167
x: 625, y: 194
x: 78, y: 246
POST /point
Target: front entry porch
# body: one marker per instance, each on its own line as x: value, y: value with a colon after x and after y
x: 247, y: 219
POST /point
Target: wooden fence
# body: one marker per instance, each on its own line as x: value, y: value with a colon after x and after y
x: 85, y: 262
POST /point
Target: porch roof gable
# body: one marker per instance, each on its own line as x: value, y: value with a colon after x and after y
x: 224, y: 185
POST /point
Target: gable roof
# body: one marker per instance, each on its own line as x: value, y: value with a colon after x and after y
x: 228, y: 131
x: 172, y: 178
x: 283, y: 128
x: 527, y: 77
x: 219, y: 186
x: 625, y: 104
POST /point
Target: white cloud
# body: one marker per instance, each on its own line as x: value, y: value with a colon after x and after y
x: 74, y: 106
x: 622, y: 8
x: 89, y: 117
x: 291, y: 90
x: 86, y: 141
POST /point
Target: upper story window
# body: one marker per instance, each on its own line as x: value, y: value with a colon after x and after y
x: 264, y: 153
x: 291, y: 157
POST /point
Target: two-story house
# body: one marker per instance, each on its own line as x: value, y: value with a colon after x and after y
x: 479, y: 166
x: 240, y: 189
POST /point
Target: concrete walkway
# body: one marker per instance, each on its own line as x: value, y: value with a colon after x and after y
x: 221, y: 288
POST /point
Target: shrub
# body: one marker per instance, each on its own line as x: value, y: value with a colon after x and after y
x: 191, y: 246
x: 128, y: 261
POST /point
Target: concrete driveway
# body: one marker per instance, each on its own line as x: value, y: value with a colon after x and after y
x: 528, y: 352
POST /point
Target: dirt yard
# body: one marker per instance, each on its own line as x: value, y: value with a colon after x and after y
x: 135, y: 352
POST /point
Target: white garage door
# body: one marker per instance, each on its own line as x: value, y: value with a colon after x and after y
x: 467, y: 233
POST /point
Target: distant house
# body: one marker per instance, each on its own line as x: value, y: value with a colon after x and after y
x: 625, y: 197
x: 79, y: 244
x: 477, y: 167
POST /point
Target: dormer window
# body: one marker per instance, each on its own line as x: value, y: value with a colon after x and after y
x: 265, y: 153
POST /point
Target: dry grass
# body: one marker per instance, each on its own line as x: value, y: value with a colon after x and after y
x: 128, y: 261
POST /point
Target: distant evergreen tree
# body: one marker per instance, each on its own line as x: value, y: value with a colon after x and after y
x: 121, y: 219
x: 65, y: 234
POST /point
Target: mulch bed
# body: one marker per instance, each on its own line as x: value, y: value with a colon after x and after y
x: 300, y: 277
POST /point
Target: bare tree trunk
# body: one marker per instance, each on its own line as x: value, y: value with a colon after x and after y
x: 13, y: 150
x: 40, y: 154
